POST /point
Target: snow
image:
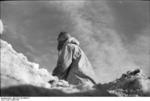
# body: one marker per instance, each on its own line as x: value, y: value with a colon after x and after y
x: 16, y: 67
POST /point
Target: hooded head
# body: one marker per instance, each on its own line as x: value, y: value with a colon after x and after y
x: 62, y: 37
x: 65, y: 37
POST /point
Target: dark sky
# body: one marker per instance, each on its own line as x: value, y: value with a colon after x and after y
x: 104, y: 29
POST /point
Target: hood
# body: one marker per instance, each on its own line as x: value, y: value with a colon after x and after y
x: 73, y: 41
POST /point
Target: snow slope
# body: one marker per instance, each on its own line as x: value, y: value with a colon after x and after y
x: 16, y: 69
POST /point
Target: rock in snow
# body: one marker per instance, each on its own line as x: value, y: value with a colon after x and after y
x: 19, y: 77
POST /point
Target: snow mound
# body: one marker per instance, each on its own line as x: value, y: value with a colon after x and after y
x: 16, y: 69
x: 132, y: 83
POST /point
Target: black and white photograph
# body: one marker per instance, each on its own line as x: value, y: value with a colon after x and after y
x: 74, y: 48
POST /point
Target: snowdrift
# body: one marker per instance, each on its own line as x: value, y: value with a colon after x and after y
x: 131, y: 83
x: 16, y: 69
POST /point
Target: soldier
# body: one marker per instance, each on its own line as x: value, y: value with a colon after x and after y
x: 73, y: 65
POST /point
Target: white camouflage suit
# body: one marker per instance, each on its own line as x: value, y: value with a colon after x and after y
x: 73, y: 65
